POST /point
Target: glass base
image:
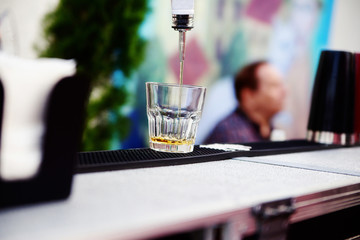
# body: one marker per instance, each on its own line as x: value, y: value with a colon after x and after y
x: 172, y: 148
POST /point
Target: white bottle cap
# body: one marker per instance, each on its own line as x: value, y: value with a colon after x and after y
x: 182, y: 7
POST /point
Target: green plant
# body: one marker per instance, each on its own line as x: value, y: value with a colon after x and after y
x: 102, y: 36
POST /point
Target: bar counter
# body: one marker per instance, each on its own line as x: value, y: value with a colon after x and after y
x: 146, y: 203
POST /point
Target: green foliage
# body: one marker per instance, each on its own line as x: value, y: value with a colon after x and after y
x: 101, y: 35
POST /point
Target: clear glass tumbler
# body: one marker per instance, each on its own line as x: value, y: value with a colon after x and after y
x: 174, y: 112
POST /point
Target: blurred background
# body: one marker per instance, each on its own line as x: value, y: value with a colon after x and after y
x: 123, y: 44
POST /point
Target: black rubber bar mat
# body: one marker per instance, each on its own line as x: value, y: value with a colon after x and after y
x: 96, y: 161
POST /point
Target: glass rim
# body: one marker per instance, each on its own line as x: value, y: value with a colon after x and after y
x: 175, y: 85
x: 335, y: 51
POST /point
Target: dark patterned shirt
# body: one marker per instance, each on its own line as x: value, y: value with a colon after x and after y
x: 235, y: 128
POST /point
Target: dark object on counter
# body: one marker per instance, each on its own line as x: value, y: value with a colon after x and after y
x: 63, y: 123
x: 331, y: 119
x: 357, y: 98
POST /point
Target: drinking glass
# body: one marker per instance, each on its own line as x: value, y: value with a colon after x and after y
x: 174, y: 112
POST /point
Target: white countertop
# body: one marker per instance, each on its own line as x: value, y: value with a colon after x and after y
x: 343, y: 161
x: 131, y: 204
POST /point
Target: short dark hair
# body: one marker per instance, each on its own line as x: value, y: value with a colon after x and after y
x: 246, y: 78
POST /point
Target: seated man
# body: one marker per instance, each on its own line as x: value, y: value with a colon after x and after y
x: 260, y: 92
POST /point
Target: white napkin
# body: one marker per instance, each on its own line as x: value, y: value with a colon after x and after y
x: 227, y: 147
x: 27, y: 85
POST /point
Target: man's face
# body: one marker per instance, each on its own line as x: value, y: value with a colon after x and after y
x: 270, y: 95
